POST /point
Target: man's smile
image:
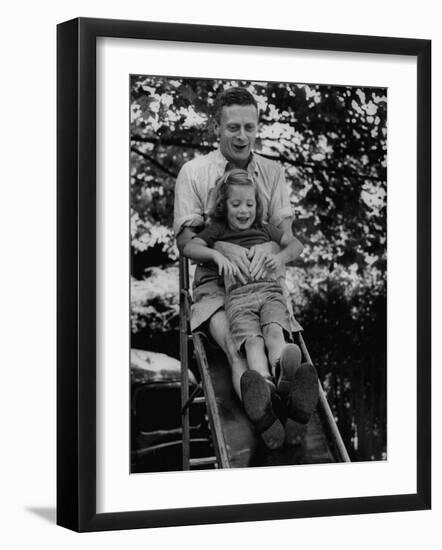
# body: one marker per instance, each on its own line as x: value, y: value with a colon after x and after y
x: 240, y: 147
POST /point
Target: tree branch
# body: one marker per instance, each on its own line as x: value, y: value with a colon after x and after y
x: 173, y: 142
x: 154, y: 162
x: 278, y: 158
x: 335, y: 171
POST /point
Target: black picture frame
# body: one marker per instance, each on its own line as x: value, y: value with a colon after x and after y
x: 76, y: 274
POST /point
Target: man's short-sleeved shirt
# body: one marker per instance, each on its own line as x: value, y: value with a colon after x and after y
x: 197, y: 180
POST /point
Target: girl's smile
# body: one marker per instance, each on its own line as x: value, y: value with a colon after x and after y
x: 241, y: 207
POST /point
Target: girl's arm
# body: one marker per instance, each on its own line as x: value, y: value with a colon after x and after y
x: 197, y: 249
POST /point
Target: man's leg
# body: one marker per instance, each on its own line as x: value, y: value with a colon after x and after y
x: 219, y: 329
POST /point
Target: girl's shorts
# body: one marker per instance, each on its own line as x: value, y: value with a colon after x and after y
x: 209, y: 297
x: 251, y: 307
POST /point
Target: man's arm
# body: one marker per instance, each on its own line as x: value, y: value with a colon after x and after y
x: 234, y: 254
x: 280, y: 215
x: 260, y: 252
x: 291, y: 249
x: 188, y: 208
x: 198, y: 250
x: 185, y: 235
x: 286, y: 227
x: 289, y: 238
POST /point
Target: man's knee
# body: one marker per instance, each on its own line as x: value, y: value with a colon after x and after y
x: 219, y: 330
x: 218, y: 327
x: 218, y: 321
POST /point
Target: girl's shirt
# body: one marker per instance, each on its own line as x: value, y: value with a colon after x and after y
x: 257, y: 234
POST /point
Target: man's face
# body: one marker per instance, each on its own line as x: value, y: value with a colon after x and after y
x: 237, y: 131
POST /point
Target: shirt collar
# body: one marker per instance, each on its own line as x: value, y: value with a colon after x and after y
x: 222, y: 162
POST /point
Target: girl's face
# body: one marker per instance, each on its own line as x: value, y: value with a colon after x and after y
x: 241, y: 207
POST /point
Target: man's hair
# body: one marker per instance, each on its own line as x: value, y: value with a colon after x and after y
x: 232, y: 96
x: 237, y: 176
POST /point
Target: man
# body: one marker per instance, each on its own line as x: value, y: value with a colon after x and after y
x: 236, y: 126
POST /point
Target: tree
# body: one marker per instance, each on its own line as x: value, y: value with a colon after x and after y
x: 331, y: 141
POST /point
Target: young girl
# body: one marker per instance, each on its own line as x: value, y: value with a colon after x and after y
x: 257, y: 311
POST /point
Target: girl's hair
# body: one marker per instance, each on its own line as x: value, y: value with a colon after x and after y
x: 237, y: 176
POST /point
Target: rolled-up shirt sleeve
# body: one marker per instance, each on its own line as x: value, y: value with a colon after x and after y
x: 279, y: 207
x: 187, y: 210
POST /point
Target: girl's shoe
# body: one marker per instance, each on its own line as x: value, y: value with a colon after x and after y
x: 286, y: 367
x: 303, y: 398
x: 297, y: 384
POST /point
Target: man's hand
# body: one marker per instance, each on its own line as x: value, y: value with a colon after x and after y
x: 274, y: 262
x: 237, y: 255
x: 258, y: 255
x: 225, y: 266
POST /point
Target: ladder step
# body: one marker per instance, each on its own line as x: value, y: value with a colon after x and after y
x: 199, y: 400
x: 195, y: 462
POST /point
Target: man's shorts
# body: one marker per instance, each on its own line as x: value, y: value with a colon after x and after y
x: 251, y: 307
x: 207, y: 299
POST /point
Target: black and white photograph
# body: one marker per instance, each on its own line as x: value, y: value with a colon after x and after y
x: 258, y: 284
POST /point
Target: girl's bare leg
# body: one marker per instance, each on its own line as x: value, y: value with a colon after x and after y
x: 256, y: 355
x: 275, y: 342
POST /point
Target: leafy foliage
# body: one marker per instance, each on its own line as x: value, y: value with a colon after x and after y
x: 154, y: 301
x: 331, y: 141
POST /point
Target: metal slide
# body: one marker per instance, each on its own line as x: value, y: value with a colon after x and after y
x: 234, y: 442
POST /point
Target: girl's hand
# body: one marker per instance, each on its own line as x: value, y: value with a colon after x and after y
x: 225, y: 267
x: 273, y: 262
